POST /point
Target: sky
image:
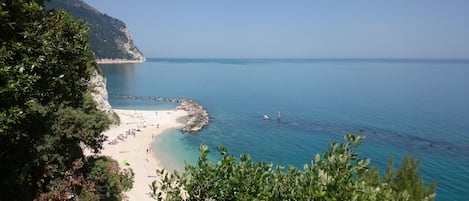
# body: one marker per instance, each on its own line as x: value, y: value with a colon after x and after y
x: 426, y: 29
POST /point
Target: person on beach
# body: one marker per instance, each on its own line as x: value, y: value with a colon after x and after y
x: 147, y: 151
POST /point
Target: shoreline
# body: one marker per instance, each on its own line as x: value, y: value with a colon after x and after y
x: 137, y: 149
x: 118, y: 61
x: 198, y: 116
x: 167, y: 152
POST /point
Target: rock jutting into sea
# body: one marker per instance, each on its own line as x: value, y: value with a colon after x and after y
x: 109, y: 38
x: 198, y: 115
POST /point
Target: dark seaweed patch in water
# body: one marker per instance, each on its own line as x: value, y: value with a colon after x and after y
x: 406, y: 141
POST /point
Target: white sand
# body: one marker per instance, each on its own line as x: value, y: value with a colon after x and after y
x: 134, y: 149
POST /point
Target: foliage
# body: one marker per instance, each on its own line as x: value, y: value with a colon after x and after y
x: 407, y: 178
x: 339, y: 174
x: 46, y: 115
x: 109, y: 179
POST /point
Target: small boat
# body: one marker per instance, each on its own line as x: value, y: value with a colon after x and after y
x: 265, y: 117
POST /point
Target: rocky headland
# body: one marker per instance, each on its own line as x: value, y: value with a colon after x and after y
x: 110, y: 39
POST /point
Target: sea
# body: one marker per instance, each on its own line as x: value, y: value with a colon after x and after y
x: 414, y: 107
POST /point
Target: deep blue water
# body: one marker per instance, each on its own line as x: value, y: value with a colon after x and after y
x: 417, y: 107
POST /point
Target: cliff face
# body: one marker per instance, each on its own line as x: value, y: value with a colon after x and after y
x: 97, y: 87
x: 110, y: 40
x: 128, y: 45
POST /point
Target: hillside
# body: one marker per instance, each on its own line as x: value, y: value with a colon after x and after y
x: 109, y: 37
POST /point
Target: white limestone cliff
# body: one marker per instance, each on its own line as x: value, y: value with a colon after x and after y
x: 99, y: 93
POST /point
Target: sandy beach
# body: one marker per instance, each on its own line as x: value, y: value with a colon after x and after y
x: 136, y: 149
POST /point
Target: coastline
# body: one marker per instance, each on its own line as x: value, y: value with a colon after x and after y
x: 197, y: 115
x: 119, y: 61
x: 136, y: 149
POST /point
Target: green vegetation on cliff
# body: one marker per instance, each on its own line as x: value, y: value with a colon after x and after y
x: 47, y: 116
x: 109, y: 37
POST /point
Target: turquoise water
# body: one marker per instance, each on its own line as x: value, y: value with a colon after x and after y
x: 418, y: 107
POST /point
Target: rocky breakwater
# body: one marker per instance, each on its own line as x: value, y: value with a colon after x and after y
x: 198, y: 116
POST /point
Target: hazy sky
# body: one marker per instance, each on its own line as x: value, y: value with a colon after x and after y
x: 295, y: 29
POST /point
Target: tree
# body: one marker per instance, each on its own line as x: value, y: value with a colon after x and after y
x: 47, y: 116
x: 407, y: 178
x: 109, y: 180
x: 339, y: 174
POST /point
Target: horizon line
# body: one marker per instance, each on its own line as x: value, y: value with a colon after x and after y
x: 316, y: 58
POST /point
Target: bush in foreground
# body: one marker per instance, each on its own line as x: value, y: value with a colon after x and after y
x: 339, y: 174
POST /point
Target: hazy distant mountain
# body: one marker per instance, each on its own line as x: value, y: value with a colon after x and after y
x: 109, y: 37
